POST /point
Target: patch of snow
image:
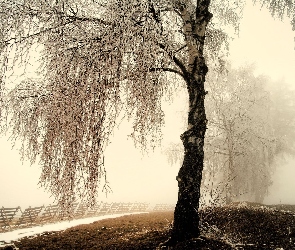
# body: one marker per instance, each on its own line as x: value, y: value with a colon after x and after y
x: 58, y: 226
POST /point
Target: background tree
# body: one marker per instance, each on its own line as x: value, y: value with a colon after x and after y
x: 96, y: 56
x: 240, y: 132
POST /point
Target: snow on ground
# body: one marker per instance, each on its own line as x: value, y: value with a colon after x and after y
x: 58, y: 226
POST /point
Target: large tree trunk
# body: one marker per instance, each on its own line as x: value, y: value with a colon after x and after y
x: 186, y: 216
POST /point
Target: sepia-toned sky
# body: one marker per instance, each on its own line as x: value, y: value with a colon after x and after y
x: 133, y: 177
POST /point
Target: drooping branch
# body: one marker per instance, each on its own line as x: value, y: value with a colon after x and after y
x: 166, y: 70
x: 34, y: 35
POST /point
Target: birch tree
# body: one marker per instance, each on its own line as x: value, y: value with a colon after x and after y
x: 97, y: 56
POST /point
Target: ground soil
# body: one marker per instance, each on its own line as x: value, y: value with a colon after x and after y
x: 238, y: 226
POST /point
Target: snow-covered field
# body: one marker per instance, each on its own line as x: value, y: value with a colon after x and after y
x: 58, y: 226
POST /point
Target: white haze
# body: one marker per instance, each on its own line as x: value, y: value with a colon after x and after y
x: 134, y: 177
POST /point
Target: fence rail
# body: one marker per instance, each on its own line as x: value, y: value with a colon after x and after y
x: 15, y: 218
x: 164, y: 207
x: 7, y: 217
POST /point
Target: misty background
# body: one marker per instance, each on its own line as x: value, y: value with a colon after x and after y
x: 263, y: 41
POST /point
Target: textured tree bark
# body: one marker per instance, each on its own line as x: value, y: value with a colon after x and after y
x: 186, y: 216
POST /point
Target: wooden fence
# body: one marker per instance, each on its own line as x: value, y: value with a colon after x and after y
x: 15, y: 218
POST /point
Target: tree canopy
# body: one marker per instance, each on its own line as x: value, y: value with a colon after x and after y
x: 96, y: 59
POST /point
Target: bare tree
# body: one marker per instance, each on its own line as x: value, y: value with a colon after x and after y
x: 96, y: 56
